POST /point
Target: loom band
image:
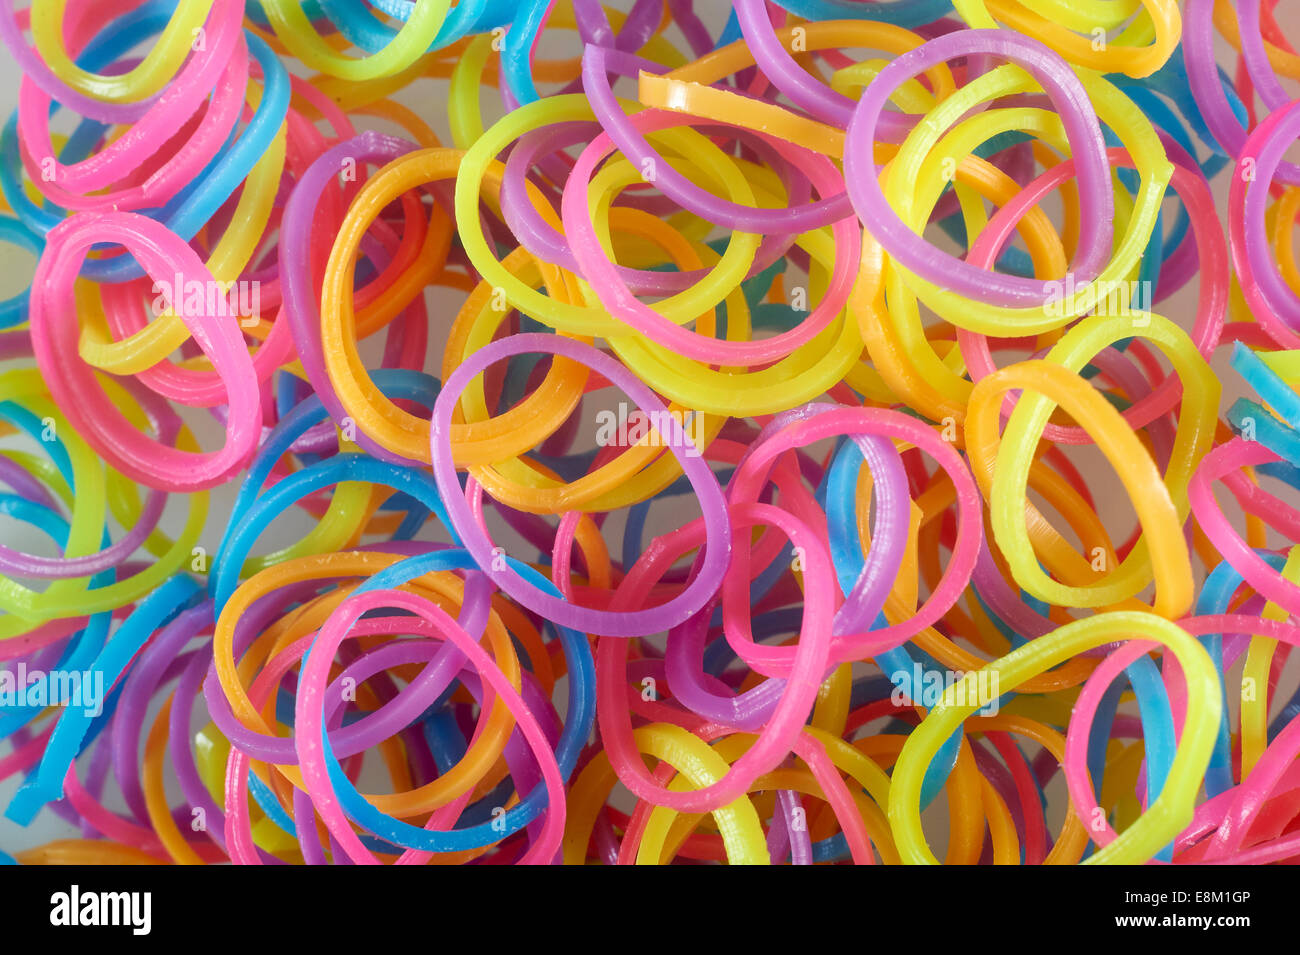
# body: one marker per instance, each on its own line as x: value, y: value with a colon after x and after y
x: 1254, y: 790
x: 784, y: 838
x: 1157, y: 729
x: 1155, y: 37
x: 503, y: 793
x: 130, y: 452
x: 402, y: 709
x: 1182, y: 263
x: 1260, y: 161
x: 719, y: 105
x: 1204, y: 79
x: 13, y: 310
x: 94, y: 818
x: 736, y: 56
x: 411, y: 41
x: 1254, y: 423
x: 1170, y: 129
x: 69, y: 185
x: 1147, y: 97
x: 46, y: 783
x: 254, y: 12
x: 1166, y: 815
x: 1262, y: 666
x: 145, y: 346
x: 600, y: 277
x: 536, y: 233
x: 1141, y: 216
x: 1162, y: 504
x: 1093, y: 334
x: 498, y: 439
x: 776, y: 737
x: 1193, y: 852
x: 1073, y: 838
x: 85, y: 852
x: 684, y: 657
x: 366, y: 32
x: 26, y: 565
x: 1045, y: 250
x: 21, y: 196
x: 87, y: 525
x: 1253, y: 568
x: 146, y: 19
x: 696, y: 470
x: 1263, y: 59
x: 594, y: 27
x: 1206, y: 330
x: 192, y: 785
x: 256, y: 155
x: 1283, y: 363
x: 578, y: 528
x: 399, y: 432
x: 1121, y: 265
x: 312, y: 105
x: 664, y: 832
x: 736, y: 263
x: 141, y: 684
x: 623, y: 132
x: 1063, y: 89
x: 25, y: 473
x: 910, y: 14
x: 160, y: 817
x: 384, y: 298
x: 476, y: 166
x: 291, y: 654
x: 331, y: 790
x: 75, y: 655
x: 804, y: 375
x: 965, y: 546
x: 738, y: 822
x: 464, y: 112
x: 341, y: 517
x: 864, y: 581
x: 159, y: 67
x: 233, y: 553
x: 519, y: 47
x: 856, y: 577
x: 784, y: 72
x: 1283, y: 247
x: 1027, y: 807
x: 1261, y: 508
x: 300, y: 300
x: 1178, y: 88
x: 280, y: 751
x: 969, y: 184
x: 415, y: 128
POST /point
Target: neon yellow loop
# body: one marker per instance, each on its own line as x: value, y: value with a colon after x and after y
x: 149, y: 76
x: 1165, y: 818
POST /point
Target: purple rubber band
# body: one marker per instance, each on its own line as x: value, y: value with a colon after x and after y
x: 1096, y: 193
x: 632, y: 144
x: 717, y: 547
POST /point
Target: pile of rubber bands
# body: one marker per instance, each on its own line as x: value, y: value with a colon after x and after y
x: 803, y: 470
